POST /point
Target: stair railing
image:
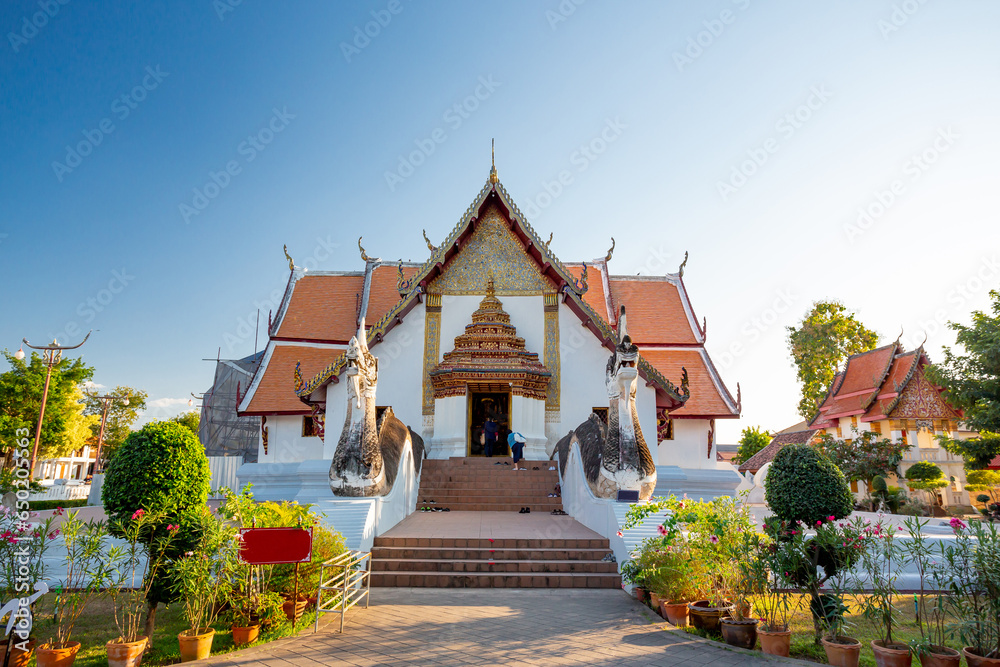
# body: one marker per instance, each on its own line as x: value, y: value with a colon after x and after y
x: 347, y: 578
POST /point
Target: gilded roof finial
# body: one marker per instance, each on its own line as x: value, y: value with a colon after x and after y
x: 551, y: 234
x: 582, y: 283
x: 611, y: 250
x: 490, y: 291
x: 364, y: 255
x: 680, y: 271
x: 430, y: 246
x: 291, y: 264
x: 493, y: 162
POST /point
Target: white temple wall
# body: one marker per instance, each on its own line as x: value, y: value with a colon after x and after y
x: 582, y: 363
x: 336, y: 412
x: 645, y: 406
x: 285, y: 443
x: 400, y: 370
x: 689, y: 447
x: 527, y: 417
x: 449, y: 439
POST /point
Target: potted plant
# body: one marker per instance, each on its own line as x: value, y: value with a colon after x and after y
x: 22, y: 551
x: 201, y: 578
x: 135, y: 567
x: 751, y: 580
x: 931, y: 611
x: 880, y: 564
x: 87, y: 572
x: 713, y: 529
x: 774, y: 604
x: 971, y: 568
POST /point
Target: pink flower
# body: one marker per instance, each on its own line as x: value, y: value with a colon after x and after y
x: 620, y: 534
x: 714, y: 539
x: 957, y: 524
x: 831, y: 518
x: 819, y: 523
x: 661, y: 530
x: 138, y: 514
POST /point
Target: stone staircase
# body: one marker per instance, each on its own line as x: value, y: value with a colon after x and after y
x: 497, y: 563
x: 481, y: 542
x: 478, y: 484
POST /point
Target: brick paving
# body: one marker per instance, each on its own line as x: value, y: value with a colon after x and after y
x: 430, y: 627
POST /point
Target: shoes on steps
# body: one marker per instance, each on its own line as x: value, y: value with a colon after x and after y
x: 536, y: 468
x: 498, y: 463
x: 552, y: 467
x: 506, y: 463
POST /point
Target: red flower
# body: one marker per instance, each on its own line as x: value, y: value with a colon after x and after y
x: 138, y: 514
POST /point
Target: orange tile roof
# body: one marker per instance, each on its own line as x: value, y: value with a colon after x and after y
x: 594, y: 296
x: 383, y: 294
x: 766, y: 455
x: 895, y: 381
x: 859, y: 384
x: 705, y: 399
x: 276, y: 391
x: 655, y: 311
x: 323, y: 308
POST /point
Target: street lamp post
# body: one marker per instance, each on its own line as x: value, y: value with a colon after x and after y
x: 52, y: 354
x: 106, y: 401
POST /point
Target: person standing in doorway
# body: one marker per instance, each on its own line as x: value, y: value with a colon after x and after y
x: 490, y: 431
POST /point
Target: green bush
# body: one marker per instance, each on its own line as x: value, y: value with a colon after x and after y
x: 39, y: 505
x: 162, y: 469
x: 983, y: 498
x: 803, y: 485
x: 879, y: 485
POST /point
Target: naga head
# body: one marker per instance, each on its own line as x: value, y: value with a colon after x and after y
x: 622, y: 370
x: 362, y: 367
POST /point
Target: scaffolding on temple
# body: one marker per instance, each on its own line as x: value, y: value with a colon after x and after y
x: 222, y: 431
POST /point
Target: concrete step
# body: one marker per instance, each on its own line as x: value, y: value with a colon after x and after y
x: 487, y: 543
x: 552, y: 553
x: 477, y: 565
x: 537, y: 506
x: 492, y: 580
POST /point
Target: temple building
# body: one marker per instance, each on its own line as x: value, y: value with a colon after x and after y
x: 886, y: 391
x: 491, y: 325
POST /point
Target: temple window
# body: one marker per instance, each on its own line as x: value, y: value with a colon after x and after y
x: 309, y: 428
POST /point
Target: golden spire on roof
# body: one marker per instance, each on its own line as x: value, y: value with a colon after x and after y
x: 493, y: 162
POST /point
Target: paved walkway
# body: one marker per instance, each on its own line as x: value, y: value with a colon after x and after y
x: 430, y: 627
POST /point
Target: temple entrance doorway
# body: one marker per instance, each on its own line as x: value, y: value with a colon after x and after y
x: 482, y: 406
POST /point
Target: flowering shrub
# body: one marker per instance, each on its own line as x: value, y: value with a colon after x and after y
x: 971, y: 572
x: 22, y: 551
x: 203, y: 576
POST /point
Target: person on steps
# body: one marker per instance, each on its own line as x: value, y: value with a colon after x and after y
x: 516, y: 443
x: 490, y: 431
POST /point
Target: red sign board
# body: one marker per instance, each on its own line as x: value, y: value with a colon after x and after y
x: 270, y: 546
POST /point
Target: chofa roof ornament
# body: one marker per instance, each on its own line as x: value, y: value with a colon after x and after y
x: 291, y: 262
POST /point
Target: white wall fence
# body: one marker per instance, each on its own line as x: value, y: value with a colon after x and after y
x: 224, y: 472
x: 63, y: 492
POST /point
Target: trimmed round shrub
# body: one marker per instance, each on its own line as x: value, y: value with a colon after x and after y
x: 879, y: 485
x: 160, y: 468
x: 804, y: 485
x: 983, y: 498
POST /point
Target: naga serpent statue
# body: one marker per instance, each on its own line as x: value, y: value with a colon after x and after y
x: 367, y: 458
x: 615, y: 456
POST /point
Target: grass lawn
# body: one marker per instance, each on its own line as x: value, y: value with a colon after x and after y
x: 858, y: 627
x: 96, y: 627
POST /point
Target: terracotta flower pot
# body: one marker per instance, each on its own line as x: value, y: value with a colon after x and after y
x: 941, y: 656
x: 246, y: 635
x: 56, y: 655
x: 676, y: 613
x: 706, y: 617
x: 775, y: 643
x: 196, y: 644
x: 655, y: 600
x: 844, y: 652
x: 976, y: 660
x: 294, y: 608
x: 891, y: 655
x: 126, y: 654
x: 18, y: 658
x: 740, y: 633
x: 640, y: 593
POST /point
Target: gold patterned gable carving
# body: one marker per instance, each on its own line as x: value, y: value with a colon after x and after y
x: 492, y: 250
x: 921, y: 400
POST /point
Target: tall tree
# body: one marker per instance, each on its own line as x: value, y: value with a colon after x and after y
x: 752, y: 440
x: 822, y: 342
x: 121, y: 417
x: 79, y: 428
x: 191, y: 419
x: 21, y: 400
x: 971, y: 381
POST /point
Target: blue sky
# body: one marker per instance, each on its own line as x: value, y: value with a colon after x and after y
x: 750, y: 134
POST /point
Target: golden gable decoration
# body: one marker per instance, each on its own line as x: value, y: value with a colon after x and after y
x: 492, y: 250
